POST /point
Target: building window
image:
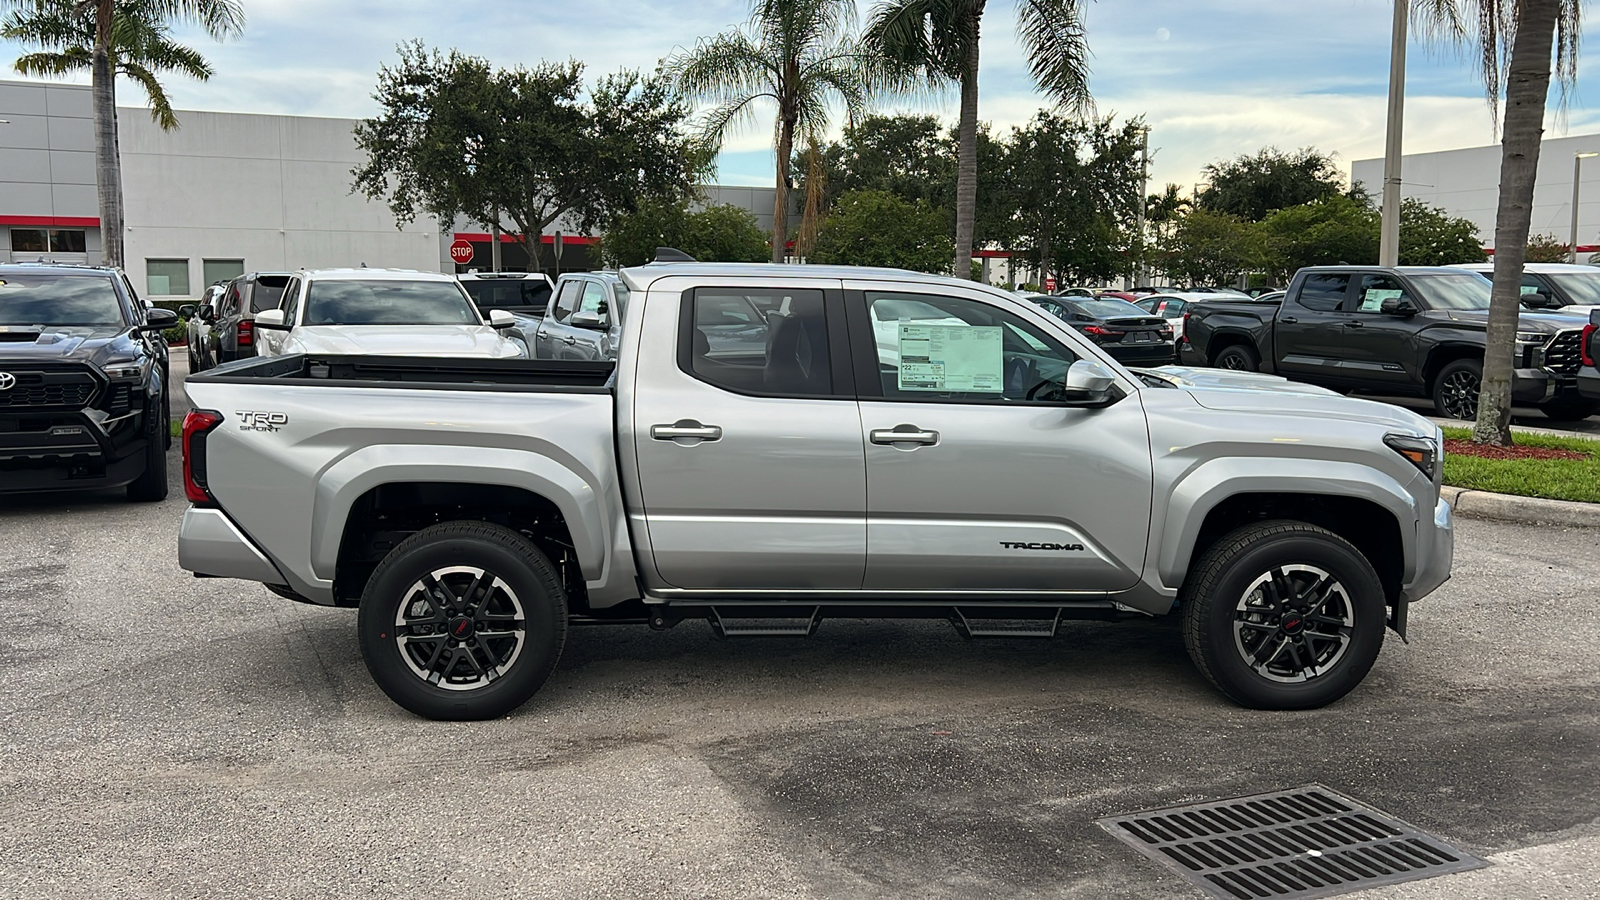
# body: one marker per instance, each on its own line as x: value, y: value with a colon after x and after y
x: 215, y: 270
x: 28, y: 240
x: 166, y: 277
x: 67, y: 240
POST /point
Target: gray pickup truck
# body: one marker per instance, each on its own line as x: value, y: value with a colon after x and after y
x: 767, y: 451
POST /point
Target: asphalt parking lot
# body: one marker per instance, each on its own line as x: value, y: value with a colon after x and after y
x: 165, y: 736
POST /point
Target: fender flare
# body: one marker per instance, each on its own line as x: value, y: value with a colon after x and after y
x: 354, y: 475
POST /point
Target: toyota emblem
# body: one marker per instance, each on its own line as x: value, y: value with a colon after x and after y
x: 7, y: 381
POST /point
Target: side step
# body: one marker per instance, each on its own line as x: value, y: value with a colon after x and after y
x: 763, y: 626
x: 973, y: 627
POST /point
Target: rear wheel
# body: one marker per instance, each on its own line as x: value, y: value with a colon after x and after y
x: 463, y: 620
x: 1242, y: 357
x: 1283, y: 615
x: 1455, y: 389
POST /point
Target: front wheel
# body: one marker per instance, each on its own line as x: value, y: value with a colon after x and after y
x: 1283, y: 615
x: 1455, y: 390
x: 151, y: 485
x: 463, y: 620
x: 1239, y: 357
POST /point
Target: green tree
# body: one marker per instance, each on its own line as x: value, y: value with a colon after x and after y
x: 1332, y: 231
x: 802, y: 55
x: 937, y: 41
x: 723, y: 233
x: 1545, y: 248
x: 1430, y: 236
x: 875, y: 228
x: 457, y: 137
x: 1252, y: 186
x: 1213, y: 248
x: 130, y: 37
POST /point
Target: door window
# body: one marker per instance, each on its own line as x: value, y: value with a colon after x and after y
x: 567, y: 300
x: 1374, y: 290
x: 594, y: 298
x: 758, y: 341
x: 931, y: 347
x: 1324, y: 291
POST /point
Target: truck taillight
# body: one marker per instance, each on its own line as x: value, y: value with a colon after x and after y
x: 247, y: 333
x: 196, y: 425
x: 1185, y: 337
x: 1584, y: 344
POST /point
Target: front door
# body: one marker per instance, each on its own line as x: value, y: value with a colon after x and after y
x: 974, y: 486
x: 1378, y: 349
x: 748, y: 440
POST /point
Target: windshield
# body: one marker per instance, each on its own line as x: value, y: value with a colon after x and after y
x: 1466, y: 291
x: 388, y: 303
x: 83, y: 300
x: 1583, y: 288
x: 1108, y: 309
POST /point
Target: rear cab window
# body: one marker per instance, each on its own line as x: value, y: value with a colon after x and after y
x: 764, y: 341
x: 1323, y: 291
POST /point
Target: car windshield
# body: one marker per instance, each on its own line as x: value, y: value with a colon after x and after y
x: 1582, y: 287
x: 40, y: 299
x: 340, y: 302
x: 1468, y: 290
x: 1108, y: 309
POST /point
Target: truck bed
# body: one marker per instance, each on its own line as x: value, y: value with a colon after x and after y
x: 417, y: 372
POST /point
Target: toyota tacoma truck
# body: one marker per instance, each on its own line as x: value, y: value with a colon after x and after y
x: 991, y: 467
x: 1406, y: 331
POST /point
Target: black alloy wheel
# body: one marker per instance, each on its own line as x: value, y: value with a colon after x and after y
x: 1283, y: 615
x: 1239, y: 358
x: 462, y: 620
x: 1455, y: 390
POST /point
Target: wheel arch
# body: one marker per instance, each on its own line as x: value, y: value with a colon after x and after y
x: 1443, y: 355
x: 1224, y: 338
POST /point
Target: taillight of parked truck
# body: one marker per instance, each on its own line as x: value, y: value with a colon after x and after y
x: 1185, y: 337
x: 247, y: 333
x: 1586, y: 342
x: 196, y: 425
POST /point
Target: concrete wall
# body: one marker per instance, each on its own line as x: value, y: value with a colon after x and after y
x: 1467, y: 183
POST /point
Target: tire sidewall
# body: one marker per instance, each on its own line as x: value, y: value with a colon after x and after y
x: 544, y: 611
x: 1471, y: 365
x: 1361, y: 584
x: 1251, y: 363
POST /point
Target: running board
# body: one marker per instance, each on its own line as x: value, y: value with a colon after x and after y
x: 729, y: 626
x: 975, y: 627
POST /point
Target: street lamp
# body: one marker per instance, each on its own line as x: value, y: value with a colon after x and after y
x: 1577, y: 171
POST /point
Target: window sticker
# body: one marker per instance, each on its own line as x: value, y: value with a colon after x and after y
x: 1529, y: 289
x: 951, y: 358
x: 1372, y: 298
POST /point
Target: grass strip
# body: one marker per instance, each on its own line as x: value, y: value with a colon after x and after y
x: 1554, y: 479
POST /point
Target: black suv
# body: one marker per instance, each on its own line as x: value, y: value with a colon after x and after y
x: 230, y: 331
x: 83, y: 383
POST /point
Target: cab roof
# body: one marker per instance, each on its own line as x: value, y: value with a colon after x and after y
x: 639, y: 278
x: 346, y: 274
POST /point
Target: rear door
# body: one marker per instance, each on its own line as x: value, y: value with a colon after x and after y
x: 974, y: 487
x: 1308, y: 333
x: 748, y: 445
x: 548, y: 341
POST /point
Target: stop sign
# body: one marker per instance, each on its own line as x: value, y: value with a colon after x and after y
x: 461, y: 252
x: 1049, y: 282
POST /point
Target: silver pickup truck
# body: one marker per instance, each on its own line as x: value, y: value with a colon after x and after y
x: 767, y: 452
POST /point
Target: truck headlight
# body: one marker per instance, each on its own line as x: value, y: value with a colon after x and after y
x: 1422, y: 452
x: 1532, y: 337
x: 129, y: 371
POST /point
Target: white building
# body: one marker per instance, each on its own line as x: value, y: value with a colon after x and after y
x: 1467, y: 183
x: 224, y: 194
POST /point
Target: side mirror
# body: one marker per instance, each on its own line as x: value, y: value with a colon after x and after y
x: 1399, y: 306
x: 499, y: 318
x: 1540, y: 300
x: 271, y: 319
x: 1088, y: 384
x: 588, y: 318
x: 158, y: 319
x: 188, y: 311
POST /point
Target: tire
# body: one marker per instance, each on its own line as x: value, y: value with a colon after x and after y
x: 1455, y: 389
x: 151, y: 485
x: 166, y: 415
x: 405, y: 632
x: 1241, y: 357
x: 1230, y: 604
x: 1570, y: 411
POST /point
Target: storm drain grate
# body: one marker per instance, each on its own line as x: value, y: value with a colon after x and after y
x: 1301, y: 843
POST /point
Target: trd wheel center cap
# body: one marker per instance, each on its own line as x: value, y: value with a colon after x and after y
x: 1293, y: 623
x: 461, y: 628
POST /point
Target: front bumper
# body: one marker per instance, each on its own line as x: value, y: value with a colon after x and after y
x: 1436, y: 543
x: 1588, y: 386
x: 69, y: 451
x: 210, y: 544
x: 1531, y: 387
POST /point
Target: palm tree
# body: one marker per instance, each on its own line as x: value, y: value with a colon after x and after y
x: 937, y: 41
x: 1516, y: 42
x: 130, y: 37
x: 802, y: 55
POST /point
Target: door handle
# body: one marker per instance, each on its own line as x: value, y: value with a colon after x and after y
x: 569, y: 341
x: 1289, y: 320
x: 686, y: 430
x: 1352, y: 324
x: 903, y: 434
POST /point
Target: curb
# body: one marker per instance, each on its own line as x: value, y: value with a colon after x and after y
x: 1525, y: 510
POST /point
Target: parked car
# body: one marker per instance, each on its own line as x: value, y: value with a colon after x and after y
x: 1129, y: 334
x: 1002, y: 474
x: 519, y: 293
x: 198, y: 319
x: 228, y: 320
x: 585, y: 319
x: 391, y: 312
x: 83, y: 383
x: 1410, y: 330
x: 1553, y: 285
x: 1171, y: 307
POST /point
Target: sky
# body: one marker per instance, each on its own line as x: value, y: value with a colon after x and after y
x: 1212, y: 78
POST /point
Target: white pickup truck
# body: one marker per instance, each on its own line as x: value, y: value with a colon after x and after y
x: 988, y: 465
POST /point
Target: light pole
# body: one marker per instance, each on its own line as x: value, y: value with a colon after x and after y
x: 1389, y: 230
x: 1577, y: 171
x: 1144, y: 188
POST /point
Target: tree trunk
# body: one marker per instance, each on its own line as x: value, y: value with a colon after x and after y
x: 967, y: 158
x: 780, y: 204
x: 1526, y: 89
x: 107, y: 169
x: 1044, y: 262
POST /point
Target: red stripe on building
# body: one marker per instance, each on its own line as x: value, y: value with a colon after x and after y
x: 52, y: 221
x: 1582, y: 248
x: 483, y: 237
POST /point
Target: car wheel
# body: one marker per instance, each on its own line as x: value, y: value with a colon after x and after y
x: 462, y: 620
x: 1455, y: 389
x: 1283, y: 615
x: 1570, y: 411
x: 151, y: 485
x: 1239, y: 356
